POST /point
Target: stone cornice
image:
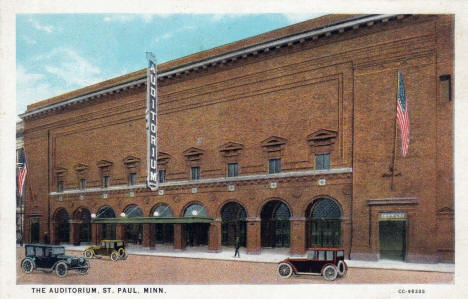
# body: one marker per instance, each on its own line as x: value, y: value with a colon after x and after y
x: 285, y: 41
x: 393, y: 201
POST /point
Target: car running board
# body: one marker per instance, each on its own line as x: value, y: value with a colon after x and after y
x: 309, y: 273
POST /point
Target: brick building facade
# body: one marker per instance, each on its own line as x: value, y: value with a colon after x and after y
x: 285, y: 139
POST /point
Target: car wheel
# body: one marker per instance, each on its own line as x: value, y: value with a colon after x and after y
x: 285, y: 270
x: 122, y: 254
x: 85, y: 270
x: 61, y: 269
x: 114, y: 255
x: 88, y: 253
x: 330, y: 272
x: 27, y: 265
x: 342, y: 269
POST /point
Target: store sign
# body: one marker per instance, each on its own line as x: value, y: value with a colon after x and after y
x: 392, y: 215
x: 151, y: 125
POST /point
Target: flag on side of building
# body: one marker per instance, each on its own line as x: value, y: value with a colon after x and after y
x: 402, y: 115
x: 22, y: 171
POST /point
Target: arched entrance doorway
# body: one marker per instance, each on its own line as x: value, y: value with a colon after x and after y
x: 275, y: 228
x: 163, y: 232
x: 196, y: 234
x: 82, y: 216
x: 133, y: 232
x: 61, y: 226
x: 233, y: 225
x: 323, y: 225
x: 107, y: 229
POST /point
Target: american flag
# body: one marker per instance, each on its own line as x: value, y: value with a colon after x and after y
x: 402, y: 115
x: 22, y: 171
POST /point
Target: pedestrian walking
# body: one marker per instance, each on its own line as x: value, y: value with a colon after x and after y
x: 46, y: 238
x: 237, y: 248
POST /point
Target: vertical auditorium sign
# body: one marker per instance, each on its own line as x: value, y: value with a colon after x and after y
x: 151, y: 123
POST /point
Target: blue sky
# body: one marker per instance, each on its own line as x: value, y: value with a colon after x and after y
x: 56, y: 53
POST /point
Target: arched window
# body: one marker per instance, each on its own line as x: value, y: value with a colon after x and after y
x: 83, y: 216
x: 162, y: 210
x: 323, y: 223
x: 163, y: 232
x: 233, y: 224
x: 107, y: 229
x: 275, y: 227
x: 133, y: 231
x: 62, y: 226
x: 195, y: 210
x: 133, y: 211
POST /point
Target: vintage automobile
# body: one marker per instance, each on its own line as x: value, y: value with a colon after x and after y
x: 113, y: 248
x: 50, y: 258
x: 328, y: 262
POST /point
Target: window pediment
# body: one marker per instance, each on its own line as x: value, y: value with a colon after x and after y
x: 163, y: 158
x: 231, y: 149
x: 60, y: 171
x: 322, y: 137
x: 193, y: 153
x: 274, y: 144
x: 131, y: 161
x: 104, y: 164
x: 80, y: 167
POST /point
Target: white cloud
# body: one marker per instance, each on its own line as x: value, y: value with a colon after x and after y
x: 32, y: 87
x: 38, y: 26
x: 29, y: 40
x: 299, y: 17
x: 67, y: 65
x: 120, y: 18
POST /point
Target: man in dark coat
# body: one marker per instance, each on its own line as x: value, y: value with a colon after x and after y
x: 237, y: 248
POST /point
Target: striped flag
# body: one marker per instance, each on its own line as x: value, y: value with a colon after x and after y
x: 402, y: 115
x: 22, y: 171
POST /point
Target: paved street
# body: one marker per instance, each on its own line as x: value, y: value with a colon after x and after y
x: 144, y: 269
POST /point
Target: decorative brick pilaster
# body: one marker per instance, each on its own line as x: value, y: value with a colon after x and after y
x: 254, y: 244
x: 214, y: 243
x: 179, y: 236
x: 297, y: 235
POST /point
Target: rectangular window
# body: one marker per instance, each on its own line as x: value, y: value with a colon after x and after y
x: 132, y: 178
x: 233, y: 169
x: 339, y: 253
x: 274, y: 166
x: 82, y: 184
x: 162, y: 176
x: 329, y: 255
x: 105, y: 181
x: 195, y: 173
x: 445, y: 88
x: 60, y: 185
x: 322, y: 161
x: 321, y: 256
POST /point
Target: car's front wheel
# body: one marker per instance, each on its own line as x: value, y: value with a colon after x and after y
x: 285, y: 270
x: 27, y: 265
x: 114, y: 255
x: 61, y: 269
x: 85, y: 268
x: 342, y: 269
x: 122, y: 254
x: 330, y: 272
x: 88, y: 253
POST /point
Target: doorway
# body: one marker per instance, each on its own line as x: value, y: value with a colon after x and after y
x: 392, y: 239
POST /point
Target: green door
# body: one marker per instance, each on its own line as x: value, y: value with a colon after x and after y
x: 392, y: 239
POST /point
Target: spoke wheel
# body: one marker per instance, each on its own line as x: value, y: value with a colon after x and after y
x: 342, y: 269
x: 27, y: 265
x: 285, y: 270
x: 330, y: 272
x: 61, y: 269
x: 84, y: 271
x: 88, y: 253
x: 114, y: 255
x: 122, y: 254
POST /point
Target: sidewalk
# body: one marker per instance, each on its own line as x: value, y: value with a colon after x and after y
x: 272, y: 256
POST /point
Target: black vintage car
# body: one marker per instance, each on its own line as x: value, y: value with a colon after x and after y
x: 328, y: 262
x: 50, y: 258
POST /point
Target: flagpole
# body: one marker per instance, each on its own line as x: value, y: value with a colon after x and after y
x: 394, y: 136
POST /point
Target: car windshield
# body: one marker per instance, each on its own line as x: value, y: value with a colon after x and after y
x: 58, y: 250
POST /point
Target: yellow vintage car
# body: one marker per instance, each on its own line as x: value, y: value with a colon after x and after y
x: 113, y: 248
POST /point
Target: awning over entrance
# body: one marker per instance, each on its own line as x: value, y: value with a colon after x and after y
x: 187, y: 219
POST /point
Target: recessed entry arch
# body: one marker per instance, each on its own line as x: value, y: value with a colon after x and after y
x: 275, y: 225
